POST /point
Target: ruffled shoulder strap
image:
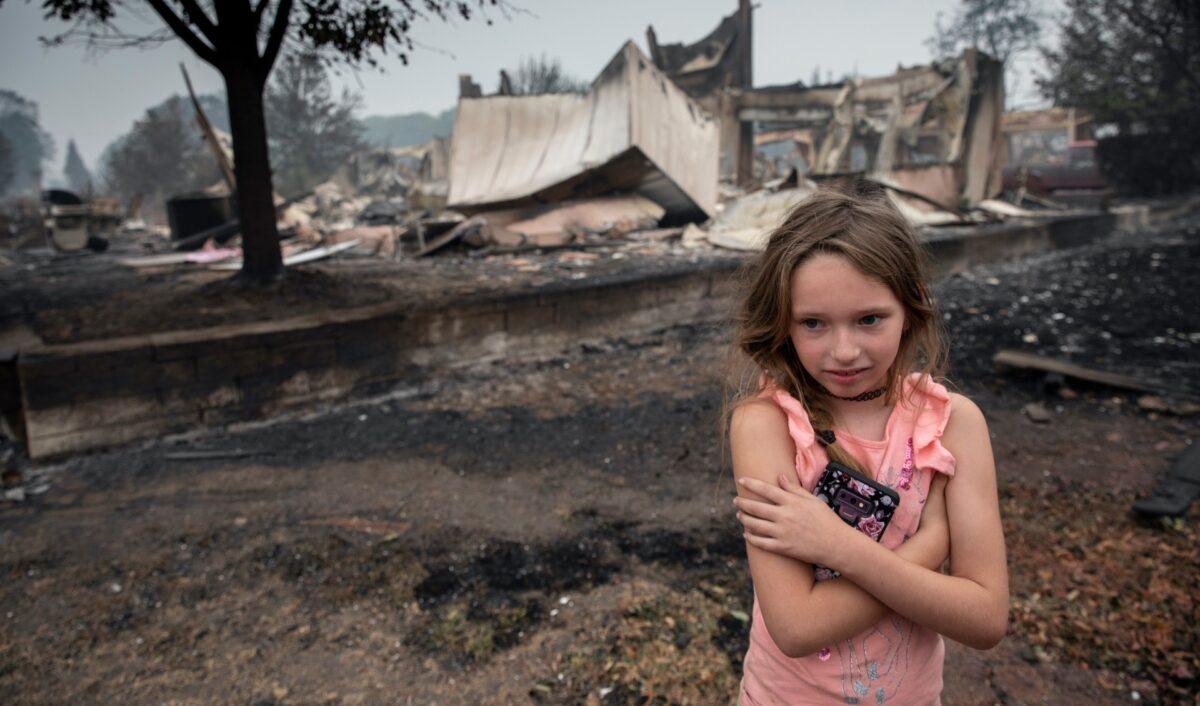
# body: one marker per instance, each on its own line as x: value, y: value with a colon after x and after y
x: 808, y: 451
x: 932, y: 403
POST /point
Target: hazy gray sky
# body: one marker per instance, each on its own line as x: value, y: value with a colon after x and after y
x: 96, y: 97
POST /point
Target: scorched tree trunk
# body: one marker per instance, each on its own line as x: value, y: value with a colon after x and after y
x: 261, y: 258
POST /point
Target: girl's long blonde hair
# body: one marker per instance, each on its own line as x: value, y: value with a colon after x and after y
x: 862, y: 226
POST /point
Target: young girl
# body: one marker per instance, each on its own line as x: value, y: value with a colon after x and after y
x: 839, y: 325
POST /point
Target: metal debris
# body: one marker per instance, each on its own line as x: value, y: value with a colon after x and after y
x: 633, y: 131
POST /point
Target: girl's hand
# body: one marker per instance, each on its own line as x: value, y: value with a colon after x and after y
x: 792, y: 522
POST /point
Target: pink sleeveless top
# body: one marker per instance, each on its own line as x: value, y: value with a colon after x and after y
x: 896, y: 661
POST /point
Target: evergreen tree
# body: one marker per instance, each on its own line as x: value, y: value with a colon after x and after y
x: 79, y: 179
x: 1135, y: 65
x: 214, y: 109
x: 8, y: 167
x: 311, y: 133
x: 29, y: 143
x: 163, y: 155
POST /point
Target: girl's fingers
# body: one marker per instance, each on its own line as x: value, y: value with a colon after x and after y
x: 792, y: 485
x: 761, y: 528
x: 766, y: 511
x: 773, y: 493
x: 764, y: 543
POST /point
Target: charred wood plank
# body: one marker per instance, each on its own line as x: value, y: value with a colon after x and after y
x: 1032, y: 361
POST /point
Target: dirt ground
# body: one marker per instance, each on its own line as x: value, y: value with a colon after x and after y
x: 559, y: 531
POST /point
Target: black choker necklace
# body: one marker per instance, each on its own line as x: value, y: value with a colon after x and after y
x: 860, y: 397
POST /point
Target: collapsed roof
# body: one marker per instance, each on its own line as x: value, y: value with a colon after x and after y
x: 633, y: 130
x: 702, y: 67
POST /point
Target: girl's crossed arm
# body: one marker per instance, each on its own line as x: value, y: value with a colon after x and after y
x: 970, y: 605
x: 803, y: 616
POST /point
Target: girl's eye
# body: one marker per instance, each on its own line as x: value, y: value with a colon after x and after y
x: 809, y: 324
x: 873, y: 319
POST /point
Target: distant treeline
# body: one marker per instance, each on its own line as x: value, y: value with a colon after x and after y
x: 407, y: 129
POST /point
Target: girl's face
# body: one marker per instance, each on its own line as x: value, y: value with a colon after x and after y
x: 846, y: 326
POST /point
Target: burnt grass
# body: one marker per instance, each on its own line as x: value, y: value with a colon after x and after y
x: 506, y: 588
x: 500, y: 587
x: 464, y: 597
x: 503, y: 590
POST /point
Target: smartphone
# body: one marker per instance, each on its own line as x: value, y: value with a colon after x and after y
x: 861, y: 502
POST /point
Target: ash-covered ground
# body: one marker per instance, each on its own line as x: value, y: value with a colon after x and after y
x: 1125, y: 305
x: 559, y: 531
x: 63, y: 298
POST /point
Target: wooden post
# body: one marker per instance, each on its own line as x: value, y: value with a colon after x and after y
x: 210, y: 137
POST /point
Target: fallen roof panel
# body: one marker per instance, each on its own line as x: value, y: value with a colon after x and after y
x: 633, y: 130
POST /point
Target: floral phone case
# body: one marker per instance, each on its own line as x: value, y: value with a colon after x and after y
x: 859, y: 501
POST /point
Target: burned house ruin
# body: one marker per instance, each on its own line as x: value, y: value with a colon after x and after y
x: 933, y: 130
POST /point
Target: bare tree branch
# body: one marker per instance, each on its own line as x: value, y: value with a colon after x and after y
x: 258, y: 12
x: 196, y: 14
x: 278, y: 31
x: 180, y: 28
x: 99, y: 36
